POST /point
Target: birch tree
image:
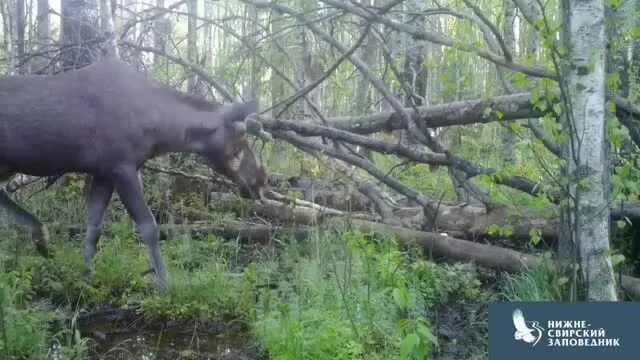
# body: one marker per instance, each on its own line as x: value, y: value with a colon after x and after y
x: 509, y: 138
x: 43, y: 26
x: 585, y: 153
x: 192, y: 42
x: 80, y: 21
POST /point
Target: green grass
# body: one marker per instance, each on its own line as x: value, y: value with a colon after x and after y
x: 348, y: 297
x: 338, y: 296
x: 535, y: 285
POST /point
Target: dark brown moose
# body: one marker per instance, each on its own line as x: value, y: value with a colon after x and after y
x: 107, y: 120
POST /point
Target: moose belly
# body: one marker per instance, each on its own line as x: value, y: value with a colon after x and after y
x: 44, y: 163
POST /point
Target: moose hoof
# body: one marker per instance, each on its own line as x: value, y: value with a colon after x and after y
x: 162, y: 281
x: 147, y: 272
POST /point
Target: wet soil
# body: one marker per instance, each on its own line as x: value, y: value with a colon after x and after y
x: 126, y: 334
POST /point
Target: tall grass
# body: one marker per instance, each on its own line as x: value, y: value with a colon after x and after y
x: 535, y: 285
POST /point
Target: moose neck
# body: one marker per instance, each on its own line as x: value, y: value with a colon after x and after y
x: 183, y: 122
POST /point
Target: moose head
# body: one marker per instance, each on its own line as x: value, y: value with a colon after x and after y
x: 236, y: 159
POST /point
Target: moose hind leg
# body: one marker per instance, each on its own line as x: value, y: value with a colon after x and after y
x: 99, y: 197
x: 38, y: 230
x: 128, y: 187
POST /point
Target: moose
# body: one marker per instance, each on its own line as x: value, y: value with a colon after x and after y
x: 106, y: 120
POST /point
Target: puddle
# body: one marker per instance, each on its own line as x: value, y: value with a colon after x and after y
x: 124, y: 334
x: 165, y: 345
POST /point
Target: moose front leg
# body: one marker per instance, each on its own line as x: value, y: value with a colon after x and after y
x: 128, y: 186
x: 38, y: 230
x: 99, y: 196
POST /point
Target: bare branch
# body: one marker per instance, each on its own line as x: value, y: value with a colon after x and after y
x: 359, y: 162
x: 434, y: 37
x: 196, y: 69
x: 492, y: 27
x: 307, y: 129
x: 499, y: 108
x: 530, y: 10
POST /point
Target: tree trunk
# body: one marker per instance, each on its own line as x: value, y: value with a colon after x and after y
x: 13, y: 15
x: 586, y: 153
x: 414, y: 72
x: 252, y: 89
x: 363, y: 87
x: 20, y: 25
x: 192, y: 43
x: 43, y: 24
x: 162, y: 29
x: 276, y: 82
x: 509, y: 138
x: 208, y: 34
x: 110, y: 47
x: 80, y: 19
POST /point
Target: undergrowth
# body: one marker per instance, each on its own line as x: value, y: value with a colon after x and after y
x: 339, y: 295
x: 351, y: 297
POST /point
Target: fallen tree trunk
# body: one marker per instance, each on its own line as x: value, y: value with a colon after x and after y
x: 472, y: 221
x: 441, y: 246
x: 434, y: 245
x: 235, y: 230
x: 244, y: 233
x: 279, y: 212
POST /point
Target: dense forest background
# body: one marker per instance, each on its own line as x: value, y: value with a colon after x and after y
x: 424, y: 158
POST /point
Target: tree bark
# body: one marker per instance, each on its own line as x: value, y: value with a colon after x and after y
x: 586, y: 153
x: 110, y: 47
x: 192, y: 43
x: 43, y: 25
x: 161, y: 31
x: 276, y: 82
x: 509, y: 138
x: 80, y: 20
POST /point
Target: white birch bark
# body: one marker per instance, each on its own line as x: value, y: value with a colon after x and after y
x: 587, y: 161
x: 509, y: 138
x: 110, y: 47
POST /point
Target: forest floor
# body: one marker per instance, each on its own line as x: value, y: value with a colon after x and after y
x: 338, y: 295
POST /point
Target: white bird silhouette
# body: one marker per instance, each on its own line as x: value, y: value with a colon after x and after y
x: 524, y: 332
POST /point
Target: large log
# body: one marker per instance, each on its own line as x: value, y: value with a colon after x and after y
x: 469, y: 221
x: 279, y: 212
x: 442, y: 246
x: 434, y: 245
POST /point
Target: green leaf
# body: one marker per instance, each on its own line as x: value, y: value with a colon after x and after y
x: 408, y: 344
x: 426, y: 334
x: 584, y: 183
x: 557, y: 108
x: 401, y: 297
x: 617, y: 259
x: 535, y: 235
